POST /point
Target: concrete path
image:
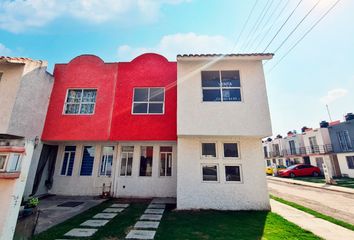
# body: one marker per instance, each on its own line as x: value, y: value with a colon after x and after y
x: 319, y: 227
x: 335, y: 204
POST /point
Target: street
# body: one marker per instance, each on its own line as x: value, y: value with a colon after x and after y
x: 335, y: 204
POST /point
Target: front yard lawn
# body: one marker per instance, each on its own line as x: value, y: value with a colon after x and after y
x: 341, y: 182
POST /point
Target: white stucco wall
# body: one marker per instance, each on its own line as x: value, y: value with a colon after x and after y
x: 342, y: 160
x: 250, y: 117
x: 193, y: 193
x: 321, y: 134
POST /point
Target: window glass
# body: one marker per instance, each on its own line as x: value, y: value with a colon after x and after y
x: 231, y: 95
x: 232, y: 173
x: 87, y: 161
x: 165, y: 161
x: 89, y: 96
x: 148, y: 100
x: 157, y: 95
x: 141, y: 94
x: 126, y: 161
x: 140, y: 108
x: 210, y: 173
x: 146, y: 161
x: 14, y: 162
x: 80, y: 101
x: 350, y: 162
x: 208, y: 150
x: 74, y: 96
x: 106, y: 161
x: 230, y: 79
x: 2, y: 161
x: 211, y: 95
x: 230, y: 150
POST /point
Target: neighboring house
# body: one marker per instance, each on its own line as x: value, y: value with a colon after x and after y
x: 295, y: 148
x: 25, y: 87
x: 153, y: 128
x: 275, y: 151
x: 342, y: 138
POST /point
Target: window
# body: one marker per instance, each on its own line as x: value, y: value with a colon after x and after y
x: 269, y: 163
x: 276, y: 149
x: 80, y: 101
x: 344, y: 141
x: 230, y: 150
x: 208, y: 150
x: 232, y: 174
x: 14, y: 163
x: 292, y: 147
x: 87, y: 161
x: 68, y: 161
x: 3, y: 158
x: 146, y: 161
x: 350, y: 162
x: 165, y: 161
x: 127, y: 161
x: 221, y: 86
x: 148, y: 101
x: 106, y: 161
x: 313, y: 145
x: 265, y: 151
x: 210, y: 173
x: 280, y: 162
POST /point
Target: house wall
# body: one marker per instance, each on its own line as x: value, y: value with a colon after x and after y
x: 321, y: 134
x: 344, y: 126
x: 343, y: 164
x: 192, y: 192
x: 247, y: 118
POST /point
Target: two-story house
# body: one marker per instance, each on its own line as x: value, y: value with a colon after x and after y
x: 342, y: 138
x: 188, y: 129
x: 25, y: 87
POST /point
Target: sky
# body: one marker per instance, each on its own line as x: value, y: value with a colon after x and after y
x: 318, y: 71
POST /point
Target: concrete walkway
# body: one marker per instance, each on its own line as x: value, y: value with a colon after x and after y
x: 317, y: 226
x: 314, y: 185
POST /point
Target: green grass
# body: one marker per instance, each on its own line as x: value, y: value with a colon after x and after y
x: 314, y: 213
x: 228, y: 225
x: 341, y: 182
x: 117, y: 228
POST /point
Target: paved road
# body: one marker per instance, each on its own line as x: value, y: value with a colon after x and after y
x: 336, y: 204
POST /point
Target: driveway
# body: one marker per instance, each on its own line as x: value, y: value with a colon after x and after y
x: 335, y: 204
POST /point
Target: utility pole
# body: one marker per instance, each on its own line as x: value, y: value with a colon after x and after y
x: 329, y: 114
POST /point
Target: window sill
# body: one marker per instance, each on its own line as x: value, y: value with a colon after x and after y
x: 9, y: 175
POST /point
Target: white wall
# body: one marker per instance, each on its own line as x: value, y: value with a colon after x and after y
x: 342, y: 160
x: 247, y: 118
x: 193, y: 193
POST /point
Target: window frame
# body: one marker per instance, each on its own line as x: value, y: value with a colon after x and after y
x: 67, y: 166
x: 100, y: 164
x: 201, y: 150
x: 221, y: 87
x: 344, y: 141
x: 347, y: 160
x: 80, y: 103
x: 5, y: 163
x: 148, y: 102
x: 217, y: 172
x: 126, y: 164
x: 18, y: 163
x: 241, y: 173
x: 165, y: 161
x: 238, y: 150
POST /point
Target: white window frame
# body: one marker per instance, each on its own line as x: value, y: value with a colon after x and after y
x: 208, y: 157
x: 148, y: 102
x: 126, y: 163
x: 79, y: 103
x: 347, y: 158
x: 238, y: 150
x: 241, y: 173
x: 166, y: 161
x: 18, y: 165
x: 217, y: 172
x: 5, y: 163
x: 221, y: 87
x: 105, y: 162
x: 67, y: 165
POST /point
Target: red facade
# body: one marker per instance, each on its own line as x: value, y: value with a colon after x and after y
x: 115, y: 83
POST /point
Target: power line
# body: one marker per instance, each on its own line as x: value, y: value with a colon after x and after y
x: 306, y: 33
x: 282, y: 26
x: 296, y: 27
x: 244, y: 25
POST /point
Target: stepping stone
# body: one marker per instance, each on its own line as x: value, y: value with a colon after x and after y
x: 94, y: 223
x: 113, y: 210
x: 105, y: 215
x: 140, y: 234
x: 81, y: 232
x: 146, y: 225
x: 151, y: 217
x: 154, y: 211
x: 164, y: 200
x: 120, y: 205
x: 157, y: 206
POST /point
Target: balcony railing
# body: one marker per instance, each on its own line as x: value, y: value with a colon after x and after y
x: 316, y: 149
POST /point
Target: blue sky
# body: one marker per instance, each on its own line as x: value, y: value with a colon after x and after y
x: 319, y: 70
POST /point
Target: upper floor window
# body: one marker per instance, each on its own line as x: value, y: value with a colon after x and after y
x: 208, y: 150
x: 221, y: 86
x: 344, y: 140
x: 148, y: 101
x: 80, y: 101
x: 230, y: 150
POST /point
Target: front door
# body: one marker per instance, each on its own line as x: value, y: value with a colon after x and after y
x: 307, y: 160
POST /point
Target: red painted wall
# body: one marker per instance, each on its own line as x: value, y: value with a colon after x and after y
x: 147, y: 70
x: 114, y: 82
x: 86, y: 71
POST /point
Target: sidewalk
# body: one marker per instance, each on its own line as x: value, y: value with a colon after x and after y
x: 309, y: 184
x: 319, y: 227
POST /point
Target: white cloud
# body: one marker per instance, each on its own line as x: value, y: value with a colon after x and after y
x: 333, y: 95
x: 4, y: 51
x: 19, y: 15
x: 179, y: 43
